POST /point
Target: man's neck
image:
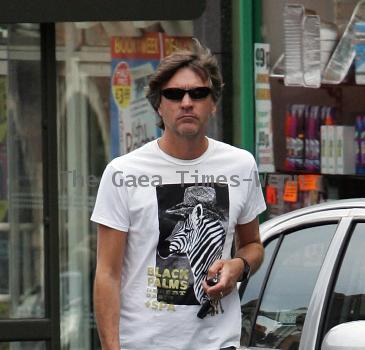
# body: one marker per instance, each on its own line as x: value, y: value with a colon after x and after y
x: 183, y: 147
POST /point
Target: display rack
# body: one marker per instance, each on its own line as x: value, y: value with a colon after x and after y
x: 349, y: 101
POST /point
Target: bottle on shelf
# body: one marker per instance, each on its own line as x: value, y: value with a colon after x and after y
x: 362, y: 146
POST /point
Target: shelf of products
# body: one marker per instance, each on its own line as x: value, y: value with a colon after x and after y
x: 298, y: 113
x: 310, y: 115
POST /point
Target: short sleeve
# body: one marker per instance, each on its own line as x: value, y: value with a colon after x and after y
x: 111, y: 205
x: 254, y: 201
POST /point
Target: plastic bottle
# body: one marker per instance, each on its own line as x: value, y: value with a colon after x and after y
x: 299, y: 138
x: 362, y: 146
x: 290, y: 151
x: 313, y: 160
x: 358, y: 126
x: 344, y: 54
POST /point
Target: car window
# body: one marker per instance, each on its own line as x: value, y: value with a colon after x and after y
x: 289, y: 287
x: 251, y: 295
x: 347, y: 302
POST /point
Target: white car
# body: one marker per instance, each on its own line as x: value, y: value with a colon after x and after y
x: 309, y: 294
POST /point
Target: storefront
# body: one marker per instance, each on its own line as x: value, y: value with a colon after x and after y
x: 61, y: 103
x: 59, y: 99
x: 309, y: 109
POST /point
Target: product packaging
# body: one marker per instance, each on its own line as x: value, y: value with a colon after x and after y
x: 345, y: 149
x: 311, y: 51
x: 359, y: 43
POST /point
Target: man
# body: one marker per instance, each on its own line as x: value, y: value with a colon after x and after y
x: 168, y: 213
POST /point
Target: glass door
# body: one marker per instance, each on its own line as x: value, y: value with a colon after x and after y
x: 22, y: 253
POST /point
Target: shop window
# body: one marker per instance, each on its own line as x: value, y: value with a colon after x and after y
x: 26, y: 345
x: 102, y: 70
x: 21, y: 190
x: 309, y: 135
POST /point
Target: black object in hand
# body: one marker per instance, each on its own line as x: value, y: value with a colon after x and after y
x: 212, y: 281
x: 206, y: 307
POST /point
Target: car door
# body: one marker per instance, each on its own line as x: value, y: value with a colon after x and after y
x: 345, y: 302
x: 277, y: 301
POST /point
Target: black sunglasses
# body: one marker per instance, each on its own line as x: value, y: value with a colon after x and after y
x: 177, y: 94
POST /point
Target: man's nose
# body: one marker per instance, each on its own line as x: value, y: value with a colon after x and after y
x: 186, y: 101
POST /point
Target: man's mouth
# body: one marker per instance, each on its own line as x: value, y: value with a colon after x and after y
x: 187, y: 116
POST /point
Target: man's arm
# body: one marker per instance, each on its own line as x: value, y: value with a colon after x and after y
x: 110, y: 255
x: 248, y: 246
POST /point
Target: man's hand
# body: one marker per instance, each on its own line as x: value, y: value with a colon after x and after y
x: 248, y: 246
x: 229, y: 271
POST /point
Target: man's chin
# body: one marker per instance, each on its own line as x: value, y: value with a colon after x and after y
x: 189, y: 132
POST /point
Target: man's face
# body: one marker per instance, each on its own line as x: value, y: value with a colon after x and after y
x: 186, y: 117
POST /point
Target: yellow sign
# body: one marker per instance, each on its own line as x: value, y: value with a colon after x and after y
x: 122, y: 85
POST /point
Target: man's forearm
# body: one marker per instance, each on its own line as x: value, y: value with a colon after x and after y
x: 107, y: 310
x: 253, y: 253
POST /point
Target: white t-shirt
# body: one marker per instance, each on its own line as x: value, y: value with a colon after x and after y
x: 180, y: 216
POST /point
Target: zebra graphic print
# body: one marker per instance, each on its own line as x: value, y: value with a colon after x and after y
x: 201, y: 238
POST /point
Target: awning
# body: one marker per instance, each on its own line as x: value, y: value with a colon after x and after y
x: 48, y: 11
